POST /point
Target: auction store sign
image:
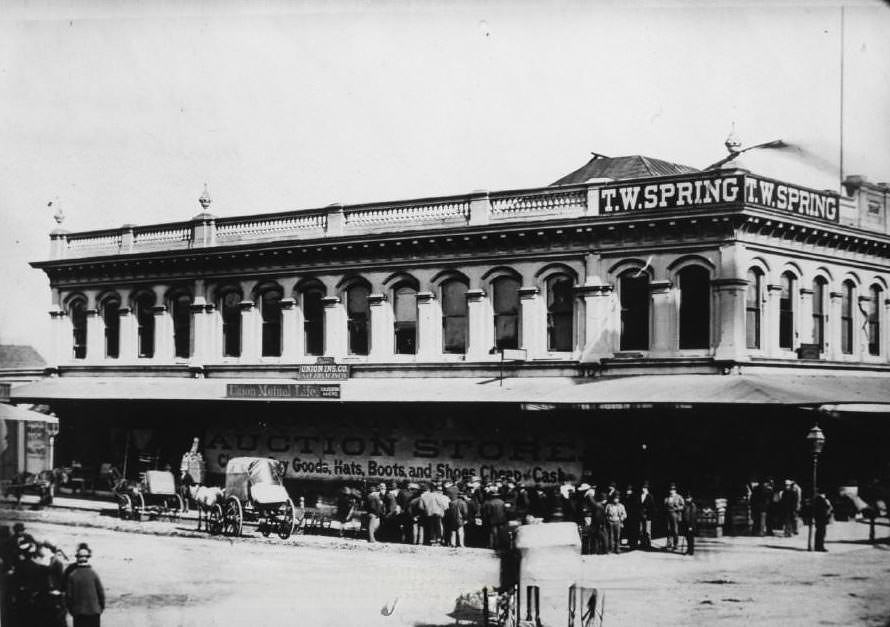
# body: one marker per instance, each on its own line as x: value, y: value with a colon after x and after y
x: 314, y: 451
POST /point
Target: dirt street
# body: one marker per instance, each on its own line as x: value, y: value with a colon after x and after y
x: 166, y: 575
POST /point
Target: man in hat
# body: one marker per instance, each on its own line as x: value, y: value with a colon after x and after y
x: 789, y: 506
x: 12, y: 546
x: 690, y: 515
x: 822, y: 512
x: 647, y: 515
x: 673, y: 509
x: 494, y: 518
x: 375, y: 508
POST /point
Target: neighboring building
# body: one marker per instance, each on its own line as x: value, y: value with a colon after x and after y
x: 636, y: 318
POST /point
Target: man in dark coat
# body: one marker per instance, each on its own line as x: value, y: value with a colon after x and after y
x: 690, y: 514
x: 631, y: 527
x: 374, y: 505
x: 822, y: 512
x: 84, y: 594
x: 494, y: 518
x: 647, y: 515
x: 598, y: 525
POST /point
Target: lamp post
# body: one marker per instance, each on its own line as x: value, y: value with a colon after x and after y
x: 816, y: 440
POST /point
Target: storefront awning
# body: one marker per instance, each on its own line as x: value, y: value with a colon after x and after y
x: 11, y: 412
x: 536, y: 392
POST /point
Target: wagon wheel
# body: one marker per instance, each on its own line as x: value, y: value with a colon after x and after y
x: 287, y: 520
x: 233, y: 520
x: 265, y: 526
x: 215, y: 520
x: 124, y: 506
x: 138, y: 506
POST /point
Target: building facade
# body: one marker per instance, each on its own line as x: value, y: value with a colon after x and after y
x: 605, y: 301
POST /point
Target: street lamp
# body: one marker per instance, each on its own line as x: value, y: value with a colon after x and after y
x: 816, y: 440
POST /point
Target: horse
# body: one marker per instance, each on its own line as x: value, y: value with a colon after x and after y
x: 206, y: 498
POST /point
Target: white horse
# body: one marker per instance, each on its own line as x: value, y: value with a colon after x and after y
x: 207, y: 498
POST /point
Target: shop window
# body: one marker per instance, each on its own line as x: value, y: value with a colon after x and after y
x: 181, y: 311
x: 847, y: 297
x: 560, y: 312
x: 695, y: 307
x: 634, y: 296
x: 505, y: 299
x: 819, y: 317
x: 753, y: 308
x: 874, y: 320
x: 77, y: 310
x: 111, y: 315
x: 786, y: 311
x: 313, y: 321
x: 454, y: 316
x: 230, y: 311
x: 358, y: 317
x: 145, y: 323
x: 404, y: 305
x: 270, y: 311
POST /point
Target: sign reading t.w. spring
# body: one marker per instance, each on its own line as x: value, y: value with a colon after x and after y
x: 708, y: 191
x: 358, y: 450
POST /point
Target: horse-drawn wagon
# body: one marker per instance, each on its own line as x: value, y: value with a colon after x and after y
x: 254, y: 492
x: 154, y: 496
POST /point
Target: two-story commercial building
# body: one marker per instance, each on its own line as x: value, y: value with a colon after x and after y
x: 636, y: 318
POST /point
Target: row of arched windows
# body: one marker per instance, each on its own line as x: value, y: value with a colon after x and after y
x: 789, y: 288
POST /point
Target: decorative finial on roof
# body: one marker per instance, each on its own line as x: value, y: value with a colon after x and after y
x: 205, y: 199
x: 733, y: 144
x: 58, y: 214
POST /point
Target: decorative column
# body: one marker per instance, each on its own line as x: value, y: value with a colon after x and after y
x: 860, y: 328
x: 771, y: 320
x: 382, y: 337
x: 884, y: 331
x: 731, y: 342
x: 61, y: 338
x: 533, y: 330
x: 202, y: 340
x: 600, y: 330
x: 805, y: 317
x: 664, y: 340
x: 480, y: 326
x: 833, y: 348
x: 95, y: 330
x: 291, y: 331
x: 429, y: 327
x: 250, y: 342
x: 334, y: 327
x: 165, y: 347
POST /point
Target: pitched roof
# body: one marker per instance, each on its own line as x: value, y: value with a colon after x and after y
x: 622, y: 168
x: 15, y: 356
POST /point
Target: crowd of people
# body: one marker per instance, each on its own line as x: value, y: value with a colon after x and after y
x: 41, y: 586
x: 473, y: 513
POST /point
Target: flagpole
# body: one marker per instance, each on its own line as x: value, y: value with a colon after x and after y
x: 842, y: 104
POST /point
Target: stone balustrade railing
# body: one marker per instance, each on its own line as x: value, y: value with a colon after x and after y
x: 477, y: 209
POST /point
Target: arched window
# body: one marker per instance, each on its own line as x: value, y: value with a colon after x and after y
x: 820, y: 318
x: 505, y: 299
x: 313, y: 319
x: 695, y: 307
x: 181, y: 311
x: 454, y: 316
x: 847, y: 298
x: 633, y: 289
x: 874, y: 320
x: 404, y: 307
x: 753, y: 312
x: 230, y: 312
x: 786, y: 311
x: 358, y: 317
x: 145, y: 323
x: 270, y: 311
x: 111, y: 315
x: 77, y: 310
x: 560, y: 312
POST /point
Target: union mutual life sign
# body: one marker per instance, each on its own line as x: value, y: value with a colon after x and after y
x: 272, y: 391
x: 709, y: 191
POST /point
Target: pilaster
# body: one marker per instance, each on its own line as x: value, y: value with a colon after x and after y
x: 334, y: 327
x: 833, y: 327
x: 770, y: 322
x: 291, y: 331
x: 600, y: 331
x: 730, y: 319
x: 429, y: 327
x: 382, y: 338
x: 805, y: 317
x: 480, y: 326
x: 532, y: 329
x: 664, y: 340
x: 251, y: 332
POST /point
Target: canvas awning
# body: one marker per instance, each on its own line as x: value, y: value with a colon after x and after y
x: 11, y: 412
x: 606, y: 392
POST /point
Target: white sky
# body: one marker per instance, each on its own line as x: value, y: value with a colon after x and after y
x: 123, y: 110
